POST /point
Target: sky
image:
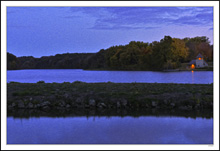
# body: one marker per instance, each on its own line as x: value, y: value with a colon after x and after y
x: 45, y: 31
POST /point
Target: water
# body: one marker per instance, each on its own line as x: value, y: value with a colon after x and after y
x: 114, y: 129
x: 71, y: 75
x: 110, y: 130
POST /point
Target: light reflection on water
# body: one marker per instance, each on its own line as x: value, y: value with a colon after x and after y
x: 110, y: 130
x: 193, y: 77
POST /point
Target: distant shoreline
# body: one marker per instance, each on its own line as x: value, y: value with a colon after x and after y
x: 169, y: 70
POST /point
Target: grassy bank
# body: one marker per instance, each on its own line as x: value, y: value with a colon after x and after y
x: 109, y: 95
x: 185, y: 65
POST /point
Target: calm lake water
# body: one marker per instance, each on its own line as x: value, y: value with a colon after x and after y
x: 71, y: 75
x: 110, y: 130
x: 113, y: 129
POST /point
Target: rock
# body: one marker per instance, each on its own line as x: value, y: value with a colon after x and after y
x: 73, y: 103
x: 189, y: 107
x: 124, y: 102
x: 68, y: 106
x: 172, y: 104
x: 66, y: 95
x: 20, y: 104
x: 98, y: 105
x: 46, y: 103
x: 183, y: 107
x: 118, y: 105
x: 146, y: 105
x: 79, y: 103
x: 51, y: 97
x: 31, y: 99
x: 92, y: 102
x: 46, y: 107
x: 37, y: 105
x: 30, y: 105
x: 13, y: 104
x: 87, y: 106
x: 153, y: 104
x: 62, y: 104
x: 79, y: 100
x: 101, y: 105
x: 165, y: 101
x: 110, y: 106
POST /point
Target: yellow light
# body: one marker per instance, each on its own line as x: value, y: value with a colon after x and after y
x: 192, y: 66
x: 192, y: 71
x: 199, y: 58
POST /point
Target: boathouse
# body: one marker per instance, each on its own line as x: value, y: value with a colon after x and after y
x: 199, y: 62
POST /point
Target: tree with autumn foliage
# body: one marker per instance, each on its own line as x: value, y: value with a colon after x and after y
x: 168, y: 53
x: 179, y: 50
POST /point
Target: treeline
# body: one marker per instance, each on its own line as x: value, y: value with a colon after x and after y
x: 59, y: 61
x: 168, y: 53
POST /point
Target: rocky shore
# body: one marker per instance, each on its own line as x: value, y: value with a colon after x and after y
x: 90, y: 96
x: 70, y: 112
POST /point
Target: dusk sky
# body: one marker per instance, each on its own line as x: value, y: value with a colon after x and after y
x: 45, y: 31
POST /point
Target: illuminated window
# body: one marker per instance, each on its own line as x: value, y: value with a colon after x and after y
x: 199, y: 58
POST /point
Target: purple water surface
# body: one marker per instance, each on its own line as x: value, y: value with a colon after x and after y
x: 71, y: 75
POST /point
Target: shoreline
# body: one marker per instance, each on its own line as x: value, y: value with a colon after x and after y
x: 81, y: 95
x: 24, y: 113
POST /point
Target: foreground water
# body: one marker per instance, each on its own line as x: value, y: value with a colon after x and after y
x: 71, y: 75
x: 110, y: 130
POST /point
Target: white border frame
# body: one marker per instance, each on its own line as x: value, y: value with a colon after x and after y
x: 214, y: 4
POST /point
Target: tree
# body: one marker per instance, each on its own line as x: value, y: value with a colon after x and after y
x: 12, y: 62
x: 198, y: 45
x: 205, y: 49
x: 166, y: 48
x: 179, y: 50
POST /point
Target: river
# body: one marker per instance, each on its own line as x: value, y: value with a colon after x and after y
x: 141, y: 129
x: 110, y: 130
x: 71, y: 75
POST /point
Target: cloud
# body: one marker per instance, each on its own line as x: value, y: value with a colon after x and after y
x: 71, y: 16
x: 145, y: 17
x: 121, y: 27
x: 205, y: 17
